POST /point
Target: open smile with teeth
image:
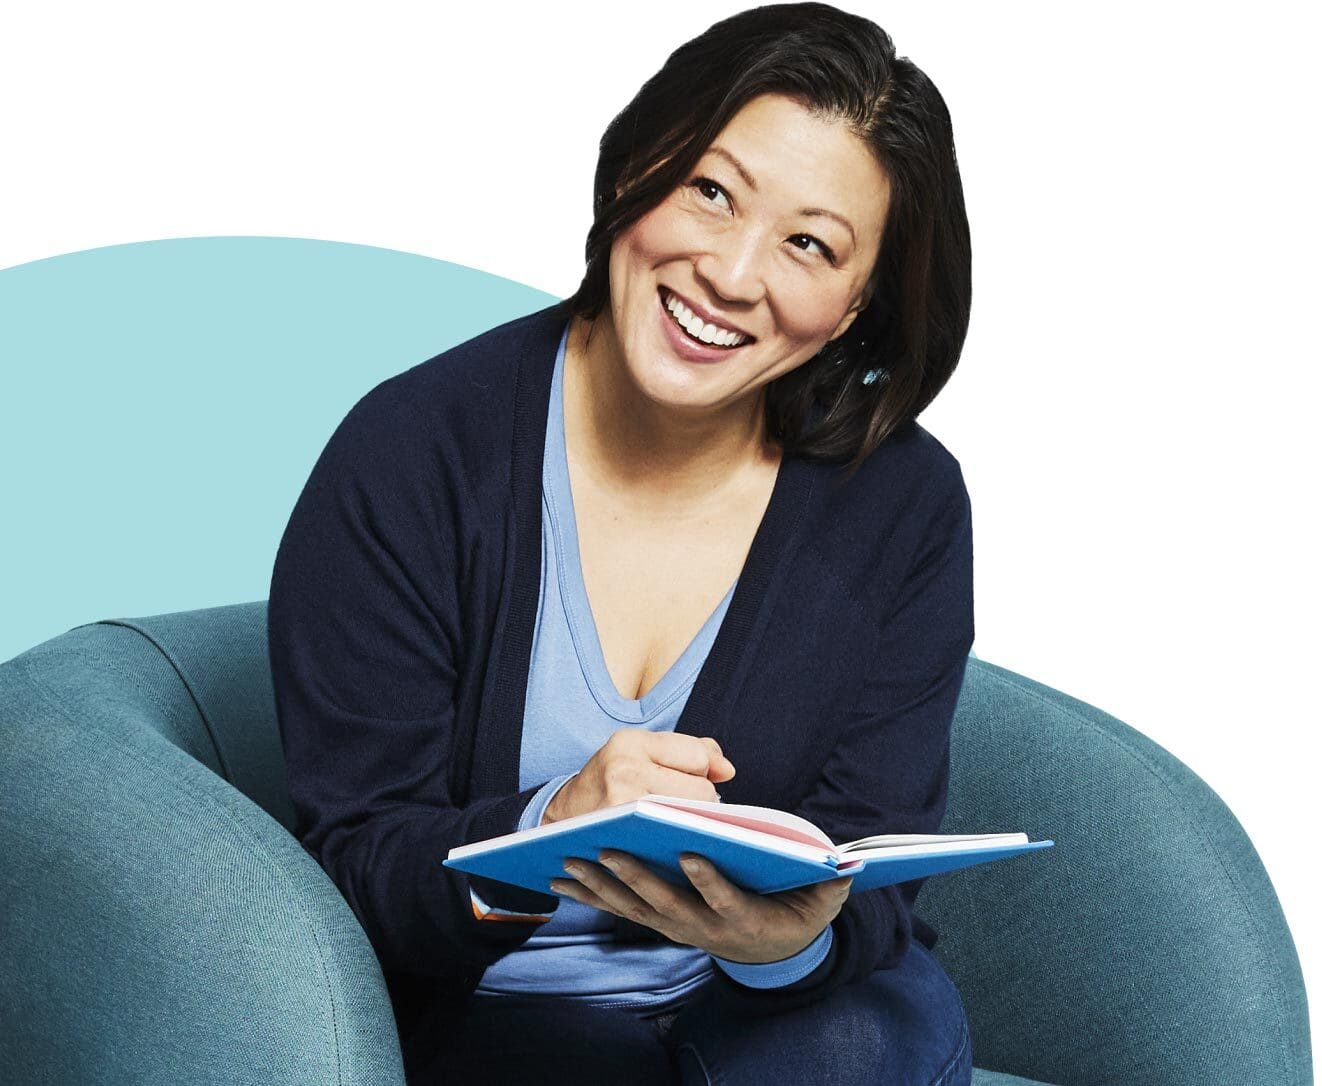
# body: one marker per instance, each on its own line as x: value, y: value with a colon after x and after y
x: 694, y: 325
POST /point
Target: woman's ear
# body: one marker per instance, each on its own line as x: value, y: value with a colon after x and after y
x: 852, y: 312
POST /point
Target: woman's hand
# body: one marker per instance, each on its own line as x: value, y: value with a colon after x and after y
x: 716, y: 915
x: 634, y: 762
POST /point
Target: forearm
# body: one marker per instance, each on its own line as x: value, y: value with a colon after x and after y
x: 418, y: 914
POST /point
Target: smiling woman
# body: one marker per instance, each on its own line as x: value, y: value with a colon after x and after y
x: 729, y: 249
x: 823, y: 182
x: 669, y: 534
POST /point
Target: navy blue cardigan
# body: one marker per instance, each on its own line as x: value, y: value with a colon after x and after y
x: 400, y: 623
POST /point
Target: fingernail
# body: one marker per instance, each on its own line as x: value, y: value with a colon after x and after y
x: 614, y: 865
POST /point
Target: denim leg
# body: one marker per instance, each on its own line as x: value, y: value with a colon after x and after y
x: 899, y: 1027
x: 550, y: 1042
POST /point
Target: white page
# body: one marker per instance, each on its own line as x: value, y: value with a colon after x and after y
x: 790, y: 827
x: 920, y: 845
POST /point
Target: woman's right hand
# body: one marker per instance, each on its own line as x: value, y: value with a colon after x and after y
x: 633, y: 763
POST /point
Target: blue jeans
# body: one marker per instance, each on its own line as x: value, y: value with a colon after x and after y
x: 900, y: 1027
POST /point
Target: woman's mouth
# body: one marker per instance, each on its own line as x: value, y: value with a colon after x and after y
x: 685, y: 343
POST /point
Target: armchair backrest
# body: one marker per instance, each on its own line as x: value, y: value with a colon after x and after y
x: 1147, y: 945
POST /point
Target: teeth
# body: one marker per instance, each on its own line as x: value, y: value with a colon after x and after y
x: 693, y: 324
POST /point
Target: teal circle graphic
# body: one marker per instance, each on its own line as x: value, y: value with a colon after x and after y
x: 164, y: 402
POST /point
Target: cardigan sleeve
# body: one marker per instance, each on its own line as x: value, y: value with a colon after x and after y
x: 890, y: 767
x: 364, y: 644
x: 531, y: 817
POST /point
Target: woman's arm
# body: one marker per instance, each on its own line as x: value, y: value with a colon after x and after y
x: 889, y: 770
x: 365, y: 649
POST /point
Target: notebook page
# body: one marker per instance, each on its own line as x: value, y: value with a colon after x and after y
x: 780, y: 824
x: 903, y: 843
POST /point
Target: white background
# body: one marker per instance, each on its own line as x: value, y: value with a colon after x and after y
x: 1133, y: 409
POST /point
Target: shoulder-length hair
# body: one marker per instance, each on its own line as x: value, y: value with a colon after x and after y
x: 903, y: 346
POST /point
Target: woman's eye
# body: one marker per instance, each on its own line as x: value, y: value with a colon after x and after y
x: 826, y: 251
x: 702, y: 184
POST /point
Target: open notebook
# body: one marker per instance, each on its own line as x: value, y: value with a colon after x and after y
x: 758, y: 848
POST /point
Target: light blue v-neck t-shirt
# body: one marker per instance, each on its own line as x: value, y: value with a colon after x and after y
x: 572, y: 708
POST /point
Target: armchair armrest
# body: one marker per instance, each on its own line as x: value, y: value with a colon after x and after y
x: 158, y: 926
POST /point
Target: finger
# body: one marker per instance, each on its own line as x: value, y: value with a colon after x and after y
x: 618, y: 898
x: 576, y: 890
x: 723, y: 896
x: 830, y: 893
x: 670, y: 902
x: 671, y: 782
x: 685, y: 753
x: 719, y: 768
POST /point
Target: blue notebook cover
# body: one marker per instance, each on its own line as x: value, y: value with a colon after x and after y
x: 656, y: 830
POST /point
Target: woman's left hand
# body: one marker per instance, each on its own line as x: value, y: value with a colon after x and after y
x: 720, y: 917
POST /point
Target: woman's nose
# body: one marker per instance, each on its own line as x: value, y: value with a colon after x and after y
x: 733, y: 265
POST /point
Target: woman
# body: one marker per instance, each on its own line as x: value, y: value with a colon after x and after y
x: 679, y: 533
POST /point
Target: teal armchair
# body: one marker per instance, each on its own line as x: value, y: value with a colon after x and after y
x: 159, y: 924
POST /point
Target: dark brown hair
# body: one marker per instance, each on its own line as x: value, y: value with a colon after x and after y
x: 903, y: 346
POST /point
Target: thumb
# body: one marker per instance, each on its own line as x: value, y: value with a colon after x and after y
x: 719, y: 767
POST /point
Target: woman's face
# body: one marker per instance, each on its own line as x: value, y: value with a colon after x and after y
x: 780, y: 250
